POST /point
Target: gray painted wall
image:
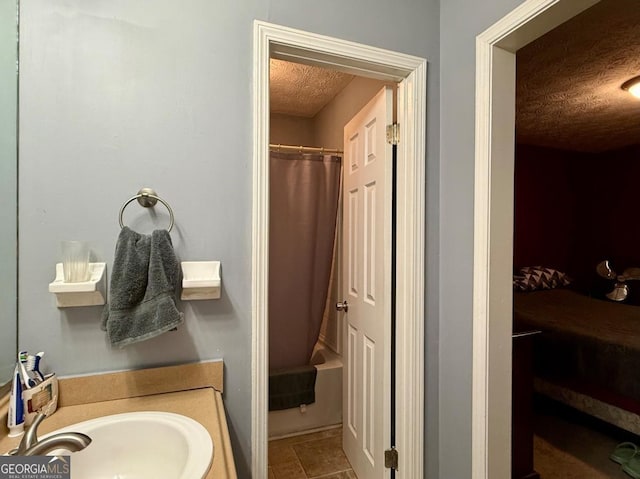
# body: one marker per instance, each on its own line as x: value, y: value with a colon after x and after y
x: 8, y: 192
x: 119, y: 95
x: 460, y: 22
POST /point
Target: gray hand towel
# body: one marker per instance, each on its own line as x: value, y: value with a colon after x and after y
x: 144, y: 277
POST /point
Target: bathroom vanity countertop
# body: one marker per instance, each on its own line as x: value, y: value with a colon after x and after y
x: 203, y: 404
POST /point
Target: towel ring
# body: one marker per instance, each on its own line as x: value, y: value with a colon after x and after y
x: 147, y: 198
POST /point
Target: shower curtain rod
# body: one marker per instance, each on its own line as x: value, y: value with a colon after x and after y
x: 303, y: 149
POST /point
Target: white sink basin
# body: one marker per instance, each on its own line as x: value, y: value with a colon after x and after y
x: 141, y: 445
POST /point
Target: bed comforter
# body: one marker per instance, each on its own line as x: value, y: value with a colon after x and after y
x: 589, y: 345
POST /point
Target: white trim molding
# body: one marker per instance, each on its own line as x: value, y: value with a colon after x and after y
x: 260, y: 257
x: 493, y: 225
x: 274, y: 41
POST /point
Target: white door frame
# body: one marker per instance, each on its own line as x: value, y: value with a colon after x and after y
x: 294, y: 45
x: 493, y: 225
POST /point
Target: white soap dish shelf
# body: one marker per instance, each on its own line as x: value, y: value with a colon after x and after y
x: 200, y: 280
x: 85, y: 293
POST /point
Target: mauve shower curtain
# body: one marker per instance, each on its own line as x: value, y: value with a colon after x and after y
x: 304, y: 192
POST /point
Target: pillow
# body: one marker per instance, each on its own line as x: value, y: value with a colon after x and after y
x: 534, y: 278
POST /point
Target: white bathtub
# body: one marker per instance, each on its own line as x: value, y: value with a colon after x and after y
x: 325, y: 412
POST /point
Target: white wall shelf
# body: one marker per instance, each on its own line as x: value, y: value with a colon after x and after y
x: 85, y: 293
x: 200, y: 280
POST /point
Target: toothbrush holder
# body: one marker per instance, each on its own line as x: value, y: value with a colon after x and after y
x: 42, y: 397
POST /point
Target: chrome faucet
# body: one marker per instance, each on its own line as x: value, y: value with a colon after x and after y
x: 30, y: 446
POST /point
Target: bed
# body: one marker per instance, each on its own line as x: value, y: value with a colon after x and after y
x: 588, y: 355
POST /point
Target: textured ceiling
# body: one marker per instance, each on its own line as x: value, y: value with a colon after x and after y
x: 302, y: 90
x: 568, y: 81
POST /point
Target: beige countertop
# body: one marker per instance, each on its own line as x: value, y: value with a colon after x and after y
x: 199, y: 401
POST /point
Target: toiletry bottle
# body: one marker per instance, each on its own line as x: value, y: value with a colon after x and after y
x: 15, y: 418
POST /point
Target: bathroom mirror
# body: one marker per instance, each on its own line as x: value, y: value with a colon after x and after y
x: 8, y: 190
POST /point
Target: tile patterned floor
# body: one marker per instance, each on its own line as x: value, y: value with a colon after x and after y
x: 311, y: 456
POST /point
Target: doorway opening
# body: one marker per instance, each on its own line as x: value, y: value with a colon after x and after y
x: 282, y: 43
x: 494, y: 226
x: 312, y: 255
x: 575, y: 131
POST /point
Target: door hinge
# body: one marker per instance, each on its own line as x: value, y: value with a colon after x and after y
x: 391, y: 459
x: 393, y: 133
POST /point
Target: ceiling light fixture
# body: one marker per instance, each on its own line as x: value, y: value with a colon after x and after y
x: 632, y: 86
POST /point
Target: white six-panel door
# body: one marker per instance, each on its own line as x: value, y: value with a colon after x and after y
x: 366, y: 274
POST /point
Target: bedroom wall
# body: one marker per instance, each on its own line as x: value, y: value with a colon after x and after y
x: 573, y: 210
x: 613, y: 201
x: 609, y: 228
x: 545, y: 207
